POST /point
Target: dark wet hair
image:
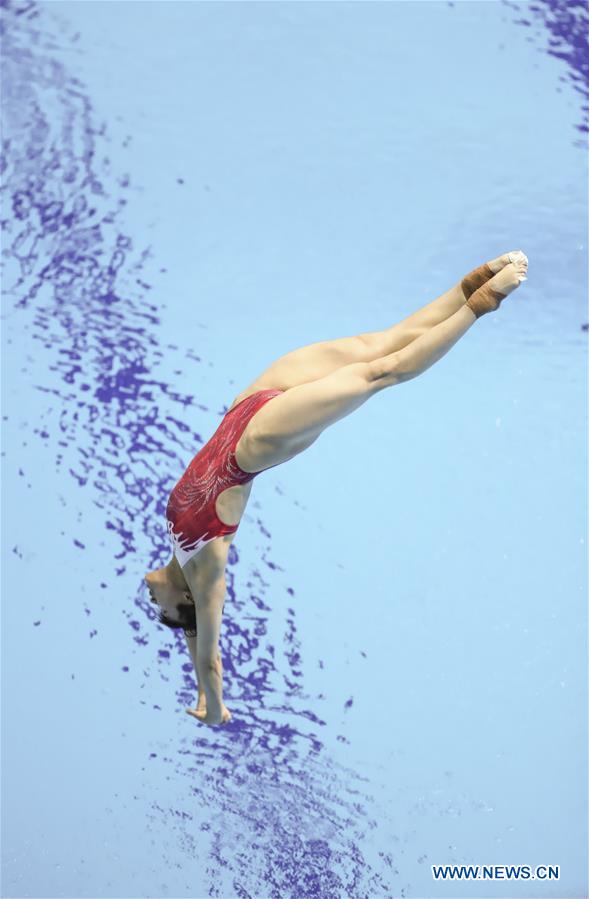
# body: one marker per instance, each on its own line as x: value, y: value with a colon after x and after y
x: 186, y: 618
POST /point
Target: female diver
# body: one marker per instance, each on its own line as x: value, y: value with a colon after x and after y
x: 278, y: 416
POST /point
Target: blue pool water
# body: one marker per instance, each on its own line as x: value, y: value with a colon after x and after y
x: 190, y: 190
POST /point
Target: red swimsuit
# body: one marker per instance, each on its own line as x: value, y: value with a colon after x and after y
x: 190, y: 513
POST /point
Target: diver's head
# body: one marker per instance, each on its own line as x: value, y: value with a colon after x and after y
x: 170, y: 592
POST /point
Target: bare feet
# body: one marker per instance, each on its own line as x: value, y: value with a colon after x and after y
x: 484, y: 273
x: 501, y: 261
x: 489, y: 296
x: 510, y: 277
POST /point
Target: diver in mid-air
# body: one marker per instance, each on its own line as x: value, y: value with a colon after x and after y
x: 278, y: 416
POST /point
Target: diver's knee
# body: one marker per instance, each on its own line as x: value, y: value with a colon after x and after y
x: 387, y: 370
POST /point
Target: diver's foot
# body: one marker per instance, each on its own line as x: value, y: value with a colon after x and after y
x: 500, y: 262
x: 479, y: 276
x: 488, y: 297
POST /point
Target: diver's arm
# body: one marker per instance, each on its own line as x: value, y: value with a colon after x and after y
x: 191, y: 643
x: 209, y: 601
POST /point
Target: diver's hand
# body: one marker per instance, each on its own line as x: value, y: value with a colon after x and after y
x: 205, y: 717
x: 201, y: 704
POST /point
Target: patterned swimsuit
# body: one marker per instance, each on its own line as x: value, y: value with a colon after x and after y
x: 190, y: 513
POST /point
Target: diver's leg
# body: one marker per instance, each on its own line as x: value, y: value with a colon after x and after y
x: 308, y: 363
x: 291, y: 421
x: 419, y: 355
